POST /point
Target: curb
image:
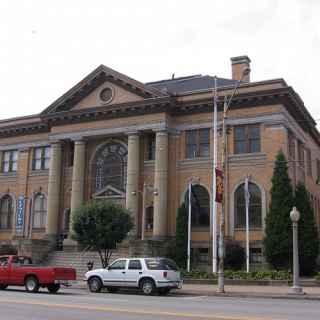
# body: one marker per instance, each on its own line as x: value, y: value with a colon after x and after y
x: 227, y: 294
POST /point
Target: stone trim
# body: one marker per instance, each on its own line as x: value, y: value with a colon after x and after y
x: 110, y: 131
x: 247, y: 159
x: 21, y: 146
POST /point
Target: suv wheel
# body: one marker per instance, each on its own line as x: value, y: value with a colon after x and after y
x: 94, y: 284
x: 32, y: 284
x: 3, y: 286
x: 147, y: 287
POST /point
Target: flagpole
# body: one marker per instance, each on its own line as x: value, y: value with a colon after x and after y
x: 189, y: 228
x: 247, y: 199
x: 214, y: 180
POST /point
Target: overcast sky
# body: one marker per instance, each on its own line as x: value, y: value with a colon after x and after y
x: 48, y: 46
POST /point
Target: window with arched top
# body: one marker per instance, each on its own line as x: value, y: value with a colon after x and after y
x: 110, y: 167
x: 6, y: 212
x: 255, y: 207
x: 39, y: 211
x: 200, y: 206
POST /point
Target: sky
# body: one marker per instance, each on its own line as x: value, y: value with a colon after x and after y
x: 46, y: 47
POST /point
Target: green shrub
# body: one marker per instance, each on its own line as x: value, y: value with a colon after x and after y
x: 307, y: 230
x: 317, y: 276
x: 235, y: 255
x: 278, y: 232
x: 181, y: 245
x: 240, y: 275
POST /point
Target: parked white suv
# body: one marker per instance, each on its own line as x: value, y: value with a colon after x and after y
x: 148, y: 274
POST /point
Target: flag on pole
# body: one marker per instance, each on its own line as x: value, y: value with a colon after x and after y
x: 219, y: 185
x: 246, y: 191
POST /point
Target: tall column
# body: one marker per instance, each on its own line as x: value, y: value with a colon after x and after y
x: 77, y: 193
x: 161, y: 185
x: 132, y: 192
x: 54, y: 189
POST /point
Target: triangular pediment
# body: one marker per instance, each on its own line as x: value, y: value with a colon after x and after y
x: 109, y: 192
x: 102, y: 87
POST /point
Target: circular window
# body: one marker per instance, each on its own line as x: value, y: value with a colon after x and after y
x: 106, y: 95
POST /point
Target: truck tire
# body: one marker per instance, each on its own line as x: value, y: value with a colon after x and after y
x: 147, y: 287
x: 94, y: 284
x: 32, y: 284
x: 3, y: 286
x: 53, y: 287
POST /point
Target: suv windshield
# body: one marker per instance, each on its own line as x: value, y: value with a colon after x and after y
x: 161, y: 264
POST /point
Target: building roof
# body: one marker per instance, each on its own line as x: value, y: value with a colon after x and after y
x: 189, y: 84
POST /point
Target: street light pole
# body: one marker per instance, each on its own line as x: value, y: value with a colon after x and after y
x: 224, y: 156
x: 295, y: 216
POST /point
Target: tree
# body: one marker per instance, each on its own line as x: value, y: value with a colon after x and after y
x: 182, y: 236
x: 307, y: 231
x: 278, y: 234
x: 101, y: 225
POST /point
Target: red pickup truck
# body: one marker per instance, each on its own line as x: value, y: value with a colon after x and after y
x: 19, y: 271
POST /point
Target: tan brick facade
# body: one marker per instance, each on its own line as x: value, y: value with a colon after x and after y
x: 82, y: 127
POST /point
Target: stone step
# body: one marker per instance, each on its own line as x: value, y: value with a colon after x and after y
x: 79, y: 259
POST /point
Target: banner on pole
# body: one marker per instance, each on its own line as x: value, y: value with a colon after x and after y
x: 219, y: 185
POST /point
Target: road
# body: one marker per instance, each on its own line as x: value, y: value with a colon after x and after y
x: 72, y: 304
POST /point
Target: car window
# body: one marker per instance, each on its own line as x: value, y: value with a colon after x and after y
x: 118, y: 265
x: 135, y: 265
x: 4, y: 261
x: 161, y: 264
x: 22, y: 261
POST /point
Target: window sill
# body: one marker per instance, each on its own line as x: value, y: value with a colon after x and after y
x: 200, y: 229
x: 38, y: 229
x: 40, y: 172
x: 9, y: 174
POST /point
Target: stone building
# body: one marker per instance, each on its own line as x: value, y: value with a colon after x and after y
x: 110, y: 136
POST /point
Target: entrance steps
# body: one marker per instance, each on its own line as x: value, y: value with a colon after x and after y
x: 71, y: 257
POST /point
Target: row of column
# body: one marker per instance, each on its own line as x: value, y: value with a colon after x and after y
x: 160, y: 182
x: 133, y: 174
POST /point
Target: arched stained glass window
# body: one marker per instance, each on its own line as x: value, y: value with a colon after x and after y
x: 255, y: 207
x: 200, y: 206
x: 110, y: 167
x: 6, y: 212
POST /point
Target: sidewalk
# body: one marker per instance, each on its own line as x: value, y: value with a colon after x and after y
x: 275, y: 292
x: 241, y: 291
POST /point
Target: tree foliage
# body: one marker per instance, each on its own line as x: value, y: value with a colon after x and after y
x: 307, y: 231
x: 278, y: 234
x: 182, y: 236
x: 101, y: 225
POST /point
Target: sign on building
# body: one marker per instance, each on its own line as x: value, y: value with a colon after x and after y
x: 20, y: 215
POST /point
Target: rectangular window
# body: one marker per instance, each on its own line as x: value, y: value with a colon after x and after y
x: 197, y: 143
x: 309, y: 163
x: 301, y: 154
x: 247, y: 139
x: 292, y: 147
x: 151, y: 147
x: 41, y: 158
x: 318, y: 171
x: 10, y: 161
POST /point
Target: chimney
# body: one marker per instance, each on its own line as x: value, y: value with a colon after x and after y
x: 238, y: 64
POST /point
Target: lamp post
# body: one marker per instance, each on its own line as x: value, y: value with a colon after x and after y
x: 146, y: 188
x: 226, y: 106
x: 295, y: 216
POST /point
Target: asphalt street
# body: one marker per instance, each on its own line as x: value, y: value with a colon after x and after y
x: 72, y: 304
